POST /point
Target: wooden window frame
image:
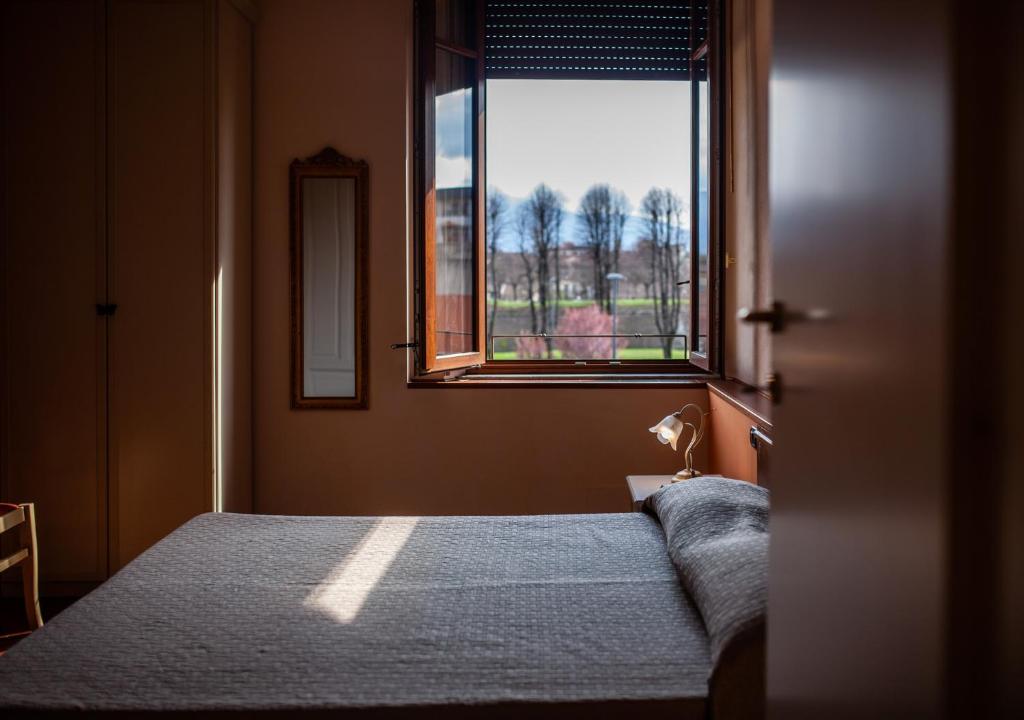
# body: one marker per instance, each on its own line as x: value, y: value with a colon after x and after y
x: 427, y: 45
x: 428, y: 365
x: 709, y: 50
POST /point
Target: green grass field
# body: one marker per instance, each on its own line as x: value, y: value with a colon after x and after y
x: 624, y: 354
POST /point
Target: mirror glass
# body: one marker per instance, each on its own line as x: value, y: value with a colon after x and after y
x: 328, y: 292
x: 329, y: 201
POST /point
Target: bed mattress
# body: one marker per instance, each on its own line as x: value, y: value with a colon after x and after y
x: 395, y: 617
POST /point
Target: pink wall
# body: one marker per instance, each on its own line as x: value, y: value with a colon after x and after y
x: 339, y: 73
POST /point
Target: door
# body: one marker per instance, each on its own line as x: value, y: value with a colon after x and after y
x: 53, y: 367
x: 860, y: 171
x: 161, y: 269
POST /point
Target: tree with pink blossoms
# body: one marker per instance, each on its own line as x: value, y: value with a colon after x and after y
x: 586, y: 321
x: 530, y: 347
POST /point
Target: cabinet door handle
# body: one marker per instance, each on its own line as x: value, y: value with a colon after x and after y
x: 757, y: 437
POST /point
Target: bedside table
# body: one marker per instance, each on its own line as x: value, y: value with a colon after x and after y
x: 640, y: 486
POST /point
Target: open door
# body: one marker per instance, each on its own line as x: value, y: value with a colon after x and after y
x: 861, y: 166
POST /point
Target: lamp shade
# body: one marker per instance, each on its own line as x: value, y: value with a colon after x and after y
x: 669, y: 430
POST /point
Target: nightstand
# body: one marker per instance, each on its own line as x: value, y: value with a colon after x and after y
x: 640, y: 486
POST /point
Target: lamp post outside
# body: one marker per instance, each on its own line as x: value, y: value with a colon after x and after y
x: 614, y: 278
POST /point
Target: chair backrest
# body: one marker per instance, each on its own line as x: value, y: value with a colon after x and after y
x: 25, y: 555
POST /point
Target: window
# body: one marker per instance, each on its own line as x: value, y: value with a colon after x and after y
x: 571, y: 227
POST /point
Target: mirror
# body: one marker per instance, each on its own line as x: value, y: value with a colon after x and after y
x: 329, y: 208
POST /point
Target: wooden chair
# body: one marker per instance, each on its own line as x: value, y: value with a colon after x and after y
x: 26, y: 555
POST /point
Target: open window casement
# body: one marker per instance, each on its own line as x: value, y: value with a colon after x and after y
x: 547, y: 41
x: 451, y: 184
x: 704, y: 203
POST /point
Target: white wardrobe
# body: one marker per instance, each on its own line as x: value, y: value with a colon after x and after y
x: 126, y: 302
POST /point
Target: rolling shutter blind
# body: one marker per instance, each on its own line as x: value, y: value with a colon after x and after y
x: 547, y: 39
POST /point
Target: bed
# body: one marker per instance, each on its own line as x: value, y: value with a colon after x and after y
x: 406, y: 617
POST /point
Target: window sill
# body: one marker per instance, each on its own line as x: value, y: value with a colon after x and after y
x: 567, y: 380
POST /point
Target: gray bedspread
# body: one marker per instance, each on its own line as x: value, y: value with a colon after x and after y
x: 404, y: 615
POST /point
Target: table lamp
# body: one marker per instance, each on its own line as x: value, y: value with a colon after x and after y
x: 671, y: 428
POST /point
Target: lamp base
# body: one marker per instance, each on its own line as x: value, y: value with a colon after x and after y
x: 685, y: 475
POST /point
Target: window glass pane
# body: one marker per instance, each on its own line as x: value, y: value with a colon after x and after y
x: 587, y: 219
x: 455, y: 22
x: 703, y: 219
x: 454, y: 259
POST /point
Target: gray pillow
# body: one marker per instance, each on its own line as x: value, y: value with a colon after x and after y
x: 717, y: 533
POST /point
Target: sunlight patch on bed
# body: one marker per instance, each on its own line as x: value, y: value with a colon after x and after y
x: 342, y: 594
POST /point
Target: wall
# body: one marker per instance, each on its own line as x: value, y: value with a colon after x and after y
x: 340, y: 74
x: 986, y: 501
x: 1009, y: 505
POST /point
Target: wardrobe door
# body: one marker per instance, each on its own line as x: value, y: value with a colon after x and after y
x: 161, y: 216
x: 52, y: 273
x: 53, y: 423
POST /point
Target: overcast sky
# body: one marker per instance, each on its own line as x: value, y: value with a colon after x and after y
x: 572, y: 134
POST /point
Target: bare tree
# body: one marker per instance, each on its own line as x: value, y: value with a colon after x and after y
x: 497, y: 210
x: 524, y: 243
x: 604, y: 211
x: 507, y: 273
x: 542, y: 214
x: 663, y: 220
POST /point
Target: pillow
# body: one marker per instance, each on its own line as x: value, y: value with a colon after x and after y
x: 716, y: 530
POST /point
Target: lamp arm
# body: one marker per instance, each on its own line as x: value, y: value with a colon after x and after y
x: 688, y: 452
x: 687, y: 406
x: 700, y: 411
x: 698, y: 432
